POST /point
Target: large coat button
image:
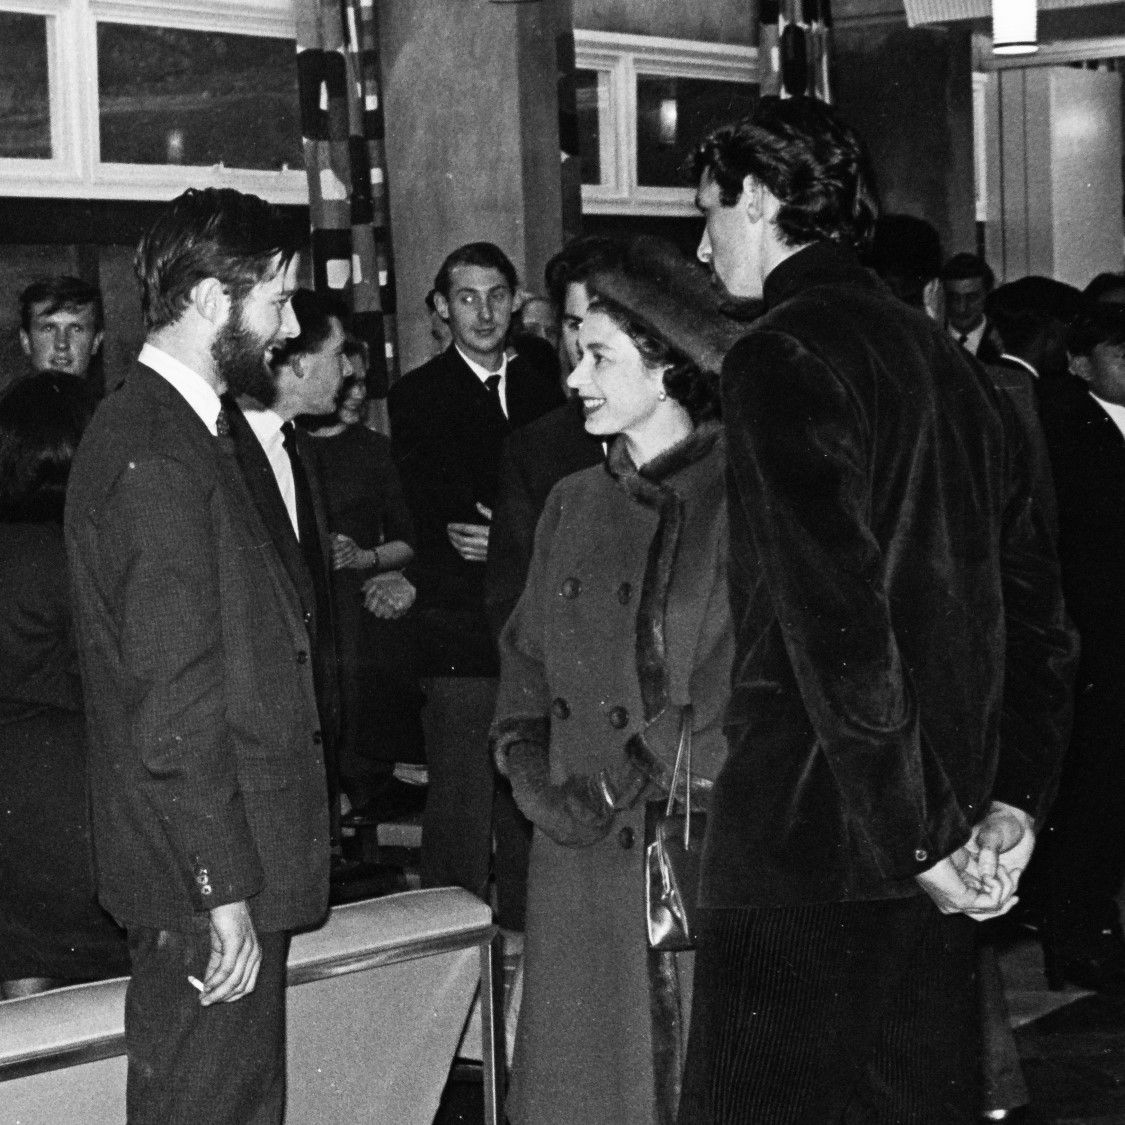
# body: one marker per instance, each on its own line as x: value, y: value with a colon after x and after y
x: 571, y: 588
x: 624, y: 593
x: 619, y: 718
x: 302, y: 656
x: 625, y: 837
x: 560, y: 708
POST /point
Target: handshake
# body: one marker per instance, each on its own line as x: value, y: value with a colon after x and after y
x: 980, y: 879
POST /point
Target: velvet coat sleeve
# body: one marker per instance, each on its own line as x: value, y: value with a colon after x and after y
x: 798, y: 455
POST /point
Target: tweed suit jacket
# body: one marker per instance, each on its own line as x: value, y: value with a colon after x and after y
x: 448, y: 435
x: 206, y: 775
x: 902, y: 651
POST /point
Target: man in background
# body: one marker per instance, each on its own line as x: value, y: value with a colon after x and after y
x: 449, y: 419
x: 967, y: 281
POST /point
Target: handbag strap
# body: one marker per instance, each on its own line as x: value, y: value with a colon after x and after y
x: 683, y: 759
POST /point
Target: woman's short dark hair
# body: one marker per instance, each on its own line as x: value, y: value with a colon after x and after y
x: 41, y: 422
x: 816, y: 166
x: 697, y: 391
x: 209, y: 232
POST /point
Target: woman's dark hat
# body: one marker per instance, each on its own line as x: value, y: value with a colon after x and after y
x: 676, y: 301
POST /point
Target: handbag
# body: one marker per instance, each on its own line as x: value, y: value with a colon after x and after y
x: 672, y: 857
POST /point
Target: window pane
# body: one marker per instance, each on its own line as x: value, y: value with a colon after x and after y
x: 593, y: 107
x: 25, y: 99
x: 167, y: 96
x: 674, y: 114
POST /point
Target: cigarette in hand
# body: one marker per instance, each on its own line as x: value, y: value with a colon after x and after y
x: 196, y: 983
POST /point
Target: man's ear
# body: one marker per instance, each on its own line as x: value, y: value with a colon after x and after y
x: 25, y: 342
x: 211, y: 300
x: 441, y: 306
x: 1080, y: 367
x: 753, y: 198
x: 97, y: 345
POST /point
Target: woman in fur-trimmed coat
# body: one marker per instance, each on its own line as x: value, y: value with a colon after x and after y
x: 623, y: 621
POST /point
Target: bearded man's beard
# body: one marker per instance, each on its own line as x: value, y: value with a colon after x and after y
x: 240, y: 360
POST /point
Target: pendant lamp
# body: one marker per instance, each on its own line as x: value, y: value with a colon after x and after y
x: 1014, y: 27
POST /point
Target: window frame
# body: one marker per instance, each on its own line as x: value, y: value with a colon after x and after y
x: 75, y: 169
x: 624, y: 57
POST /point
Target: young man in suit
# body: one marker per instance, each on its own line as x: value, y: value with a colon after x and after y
x: 876, y: 797
x: 449, y: 419
x: 206, y: 774
x: 967, y: 281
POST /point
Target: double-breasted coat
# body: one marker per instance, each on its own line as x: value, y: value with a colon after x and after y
x: 623, y: 621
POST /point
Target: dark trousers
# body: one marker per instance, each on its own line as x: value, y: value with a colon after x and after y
x: 831, y: 1014
x: 464, y: 803
x: 190, y: 1065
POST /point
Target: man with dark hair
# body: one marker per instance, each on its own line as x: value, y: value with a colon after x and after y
x: 1106, y: 289
x: 967, y: 281
x: 61, y: 324
x: 1030, y: 318
x: 889, y: 752
x: 906, y: 254
x: 1077, y: 872
x: 206, y: 775
x: 449, y: 419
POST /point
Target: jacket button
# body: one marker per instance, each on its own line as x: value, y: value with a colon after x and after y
x: 571, y: 588
x: 560, y: 708
x: 302, y: 657
x: 619, y: 718
x: 921, y: 855
x: 625, y: 837
x: 308, y: 617
x: 624, y: 593
x: 318, y: 738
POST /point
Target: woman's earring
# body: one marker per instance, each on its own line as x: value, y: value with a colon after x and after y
x: 663, y: 396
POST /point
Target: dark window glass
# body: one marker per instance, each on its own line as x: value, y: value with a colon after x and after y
x: 167, y: 96
x: 589, y: 125
x: 674, y: 114
x: 25, y: 98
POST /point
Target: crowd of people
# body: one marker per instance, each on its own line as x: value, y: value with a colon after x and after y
x: 826, y: 506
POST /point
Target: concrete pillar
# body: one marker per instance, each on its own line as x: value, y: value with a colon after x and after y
x: 470, y: 92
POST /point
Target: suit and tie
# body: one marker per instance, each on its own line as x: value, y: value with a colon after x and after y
x: 206, y: 771
x: 448, y: 431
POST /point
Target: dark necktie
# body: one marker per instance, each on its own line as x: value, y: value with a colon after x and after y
x: 306, y: 514
x: 963, y: 339
x: 222, y: 430
x: 492, y: 385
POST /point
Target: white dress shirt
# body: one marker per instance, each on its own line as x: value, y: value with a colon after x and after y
x: 483, y: 374
x: 198, y: 393
x: 267, y: 429
x: 972, y: 339
x: 1116, y: 413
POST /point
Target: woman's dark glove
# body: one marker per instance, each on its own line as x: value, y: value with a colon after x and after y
x: 576, y: 813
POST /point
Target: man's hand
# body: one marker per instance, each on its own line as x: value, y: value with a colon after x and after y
x: 388, y: 595
x: 956, y: 888
x: 346, y: 554
x: 236, y: 956
x: 470, y: 540
x: 1005, y: 838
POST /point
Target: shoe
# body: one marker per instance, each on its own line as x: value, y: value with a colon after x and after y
x: 394, y: 800
x: 1019, y: 1115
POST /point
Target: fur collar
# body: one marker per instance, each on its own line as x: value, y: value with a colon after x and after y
x: 649, y: 486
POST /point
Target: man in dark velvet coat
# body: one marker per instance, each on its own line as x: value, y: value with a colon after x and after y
x: 900, y: 687
x: 206, y: 775
x: 449, y: 419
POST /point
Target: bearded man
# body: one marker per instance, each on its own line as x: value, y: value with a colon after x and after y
x: 206, y: 771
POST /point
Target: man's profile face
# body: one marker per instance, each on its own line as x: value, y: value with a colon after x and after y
x: 62, y: 340
x: 255, y: 326
x: 730, y: 246
x: 964, y: 303
x: 1104, y: 371
x: 321, y: 372
x: 575, y: 304
x: 478, y: 310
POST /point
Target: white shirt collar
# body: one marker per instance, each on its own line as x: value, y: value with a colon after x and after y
x: 482, y: 373
x: 1021, y: 363
x: 196, y: 391
x: 1116, y: 413
x: 265, y: 423
x: 972, y: 339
